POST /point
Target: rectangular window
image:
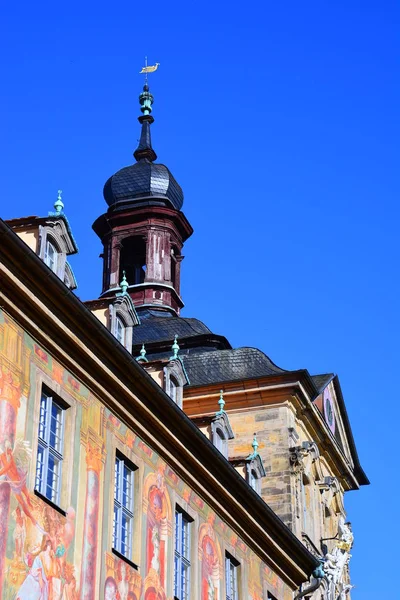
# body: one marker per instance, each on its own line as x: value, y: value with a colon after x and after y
x: 182, y: 555
x: 231, y: 577
x: 50, y: 447
x: 123, y: 506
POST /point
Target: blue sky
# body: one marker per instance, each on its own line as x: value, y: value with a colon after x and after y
x: 279, y: 120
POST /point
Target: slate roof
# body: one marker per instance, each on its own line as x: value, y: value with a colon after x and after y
x: 142, y: 180
x: 228, y: 365
x: 158, y: 329
x: 321, y: 381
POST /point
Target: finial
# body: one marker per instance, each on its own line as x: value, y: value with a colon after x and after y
x: 255, y: 445
x: 124, y: 284
x: 175, y: 349
x: 59, y: 204
x: 221, y: 403
x: 142, y: 354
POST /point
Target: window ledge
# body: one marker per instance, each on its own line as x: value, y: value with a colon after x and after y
x: 49, y: 502
x: 124, y: 558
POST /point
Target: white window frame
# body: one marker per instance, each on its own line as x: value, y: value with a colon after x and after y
x: 231, y: 577
x: 51, y: 261
x: 48, y: 448
x: 120, y: 329
x: 173, y: 389
x: 182, y: 564
x: 254, y: 481
x: 123, y: 506
x: 220, y: 442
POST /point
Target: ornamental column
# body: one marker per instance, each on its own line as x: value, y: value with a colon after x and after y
x: 9, y: 405
x: 94, y: 465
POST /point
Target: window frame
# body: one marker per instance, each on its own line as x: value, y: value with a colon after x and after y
x: 49, y: 243
x: 220, y: 441
x: 232, y: 566
x: 182, y: 553
x: 120, y: 328
x: 173, y: 389
x: 46, y: 447
x: 120, y: 547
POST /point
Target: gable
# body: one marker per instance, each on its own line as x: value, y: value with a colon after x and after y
x: 332, y: 412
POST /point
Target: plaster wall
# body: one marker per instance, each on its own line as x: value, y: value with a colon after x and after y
x: 102, y: 315
x: 31, y: 238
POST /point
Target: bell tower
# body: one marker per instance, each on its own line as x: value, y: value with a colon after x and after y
x: 144, y: 229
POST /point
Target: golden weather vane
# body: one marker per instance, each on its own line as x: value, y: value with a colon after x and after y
x: 149, y: 68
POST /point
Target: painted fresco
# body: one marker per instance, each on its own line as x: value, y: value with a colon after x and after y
x: 46, y: 554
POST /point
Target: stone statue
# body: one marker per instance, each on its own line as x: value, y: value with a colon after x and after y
x: 336, y: 561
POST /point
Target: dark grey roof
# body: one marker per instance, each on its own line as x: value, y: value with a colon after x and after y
x: 140, y: 181
x: 321, y: 381
x: 158, y: 329
x: 228, y: 365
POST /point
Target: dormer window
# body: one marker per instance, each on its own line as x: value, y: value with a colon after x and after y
x: 120, y: 330
x: 254, y: 471
x: 51, y: 256
x: 221, y: 430
x: 175, y: 375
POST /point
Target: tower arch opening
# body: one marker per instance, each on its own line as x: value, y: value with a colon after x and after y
x: 133, y: 259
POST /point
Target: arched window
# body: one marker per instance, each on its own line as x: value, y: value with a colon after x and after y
x: 255, y: 471
x: 120, y: 330
x: 133, y: 260
x: 51, y: 256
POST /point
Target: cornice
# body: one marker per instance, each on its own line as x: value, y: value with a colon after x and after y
x: 277, y: 389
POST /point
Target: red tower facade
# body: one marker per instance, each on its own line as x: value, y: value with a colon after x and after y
x: 144, y: 230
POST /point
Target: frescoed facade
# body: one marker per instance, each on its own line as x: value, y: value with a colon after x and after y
x: 51, y: 552
x: 141, y: 456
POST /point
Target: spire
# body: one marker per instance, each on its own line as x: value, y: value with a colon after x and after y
x: 142, y: 355
x: 221, y: 403
x: 124, y: 284
x: 59, y: 204
x: 255, y: 445
x: 175, y: 349
x: 144, y: 151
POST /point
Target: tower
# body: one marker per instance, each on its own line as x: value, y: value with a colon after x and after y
x: 144, y: 229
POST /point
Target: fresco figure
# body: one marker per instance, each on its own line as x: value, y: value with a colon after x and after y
x: 209, y: 569
x: 16, y: 478
x: 155, y: 538
x: 36, y: 585
x: 19, y: 533
x: 110, y: 589
x: 123, y: 580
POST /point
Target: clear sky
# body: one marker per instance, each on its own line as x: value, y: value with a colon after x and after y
x: 279, y: 120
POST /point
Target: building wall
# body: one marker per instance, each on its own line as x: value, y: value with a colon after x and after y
x: 74, y: 558
x: 294, y: 490
x: 271, y: 423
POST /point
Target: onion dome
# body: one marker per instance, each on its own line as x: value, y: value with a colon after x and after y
x: 144, y: 182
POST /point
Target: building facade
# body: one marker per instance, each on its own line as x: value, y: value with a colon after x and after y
x: 141, y: 456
